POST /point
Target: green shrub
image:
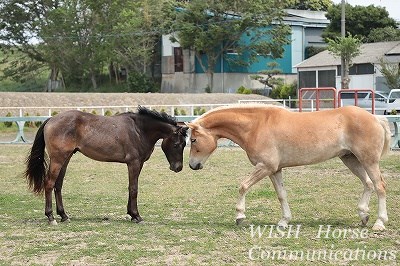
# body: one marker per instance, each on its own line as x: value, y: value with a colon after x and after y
x: 38, y: 123
x: 94, y: 112
x: 283, y: 91
x: 199, y: 111
x: 243, y: 90
x: 138, y: 82
x: 8, y: 123
x: 29, y: 123
x: 107, y: 113
x: 54, y: 113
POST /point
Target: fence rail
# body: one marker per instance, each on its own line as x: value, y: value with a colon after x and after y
x: 192, y: 112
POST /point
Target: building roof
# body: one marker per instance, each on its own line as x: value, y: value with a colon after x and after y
x: 314, y: 18
x: 370, y: 53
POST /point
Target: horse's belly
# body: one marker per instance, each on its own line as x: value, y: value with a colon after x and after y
x: 293, y: 157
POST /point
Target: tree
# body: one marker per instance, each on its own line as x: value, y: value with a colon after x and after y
x: 346, y: 48
x: 386, y: 34
x: 391, y: 72
x: 210, y: 28
x: 268, y: 78
x: 315, y: 5
x: 363, y: 19
x: 19, y: 25
x: 140, y: 27
x: 78, y: 39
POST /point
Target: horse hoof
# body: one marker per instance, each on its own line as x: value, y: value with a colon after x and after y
x: 65, y: 220
x: 240, y: 221
x: 283, y: 225
x: 137, y: 220
x: 364, y: 220
x: 378, y: 226
x: 53, y: 222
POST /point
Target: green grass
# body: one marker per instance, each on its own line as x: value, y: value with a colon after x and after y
x: 189, y: 216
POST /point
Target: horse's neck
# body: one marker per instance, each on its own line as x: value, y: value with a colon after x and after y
x: 230, y: 124
x: 155, y: 130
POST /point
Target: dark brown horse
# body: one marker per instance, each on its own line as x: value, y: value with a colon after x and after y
x: 126, y: 138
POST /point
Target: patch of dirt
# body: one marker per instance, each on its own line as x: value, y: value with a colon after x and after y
x: 36, y: 99
x: 39, y: 103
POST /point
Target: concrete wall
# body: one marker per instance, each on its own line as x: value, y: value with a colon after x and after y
x: 224, y: 83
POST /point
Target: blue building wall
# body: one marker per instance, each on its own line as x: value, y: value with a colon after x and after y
x: 227, y: 66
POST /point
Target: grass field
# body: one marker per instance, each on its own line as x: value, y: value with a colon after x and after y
x: 189, y: 216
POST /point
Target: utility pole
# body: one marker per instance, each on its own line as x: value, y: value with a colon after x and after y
x: 343, y: 34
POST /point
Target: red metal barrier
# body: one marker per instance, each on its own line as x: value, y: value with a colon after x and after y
x: 317, y: 98
x: 356, y: 91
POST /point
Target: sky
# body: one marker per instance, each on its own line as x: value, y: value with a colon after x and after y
x: 392, y: 6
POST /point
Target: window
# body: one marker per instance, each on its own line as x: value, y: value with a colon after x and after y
x: 360, y: 69
x: 307, y: 79
x: 178, y: 59
x: 326, y: 78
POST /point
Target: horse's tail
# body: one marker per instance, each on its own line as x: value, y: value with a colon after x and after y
x: 388, y: 134
x: 36, y: 162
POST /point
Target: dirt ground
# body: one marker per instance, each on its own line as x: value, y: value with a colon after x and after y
x: 31, y: 103
x: 32, y: 99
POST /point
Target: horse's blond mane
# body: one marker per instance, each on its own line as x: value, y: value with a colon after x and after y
x: 240, y: 106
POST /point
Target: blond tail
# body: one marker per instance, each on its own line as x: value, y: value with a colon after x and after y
x: 388, y: 134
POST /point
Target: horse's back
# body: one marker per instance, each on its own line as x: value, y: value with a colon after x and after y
x: 304, y: 138
x: 98, y: 137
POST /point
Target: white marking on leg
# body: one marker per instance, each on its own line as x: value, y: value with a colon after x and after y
x: 259, y: 173
x: 277, y: 181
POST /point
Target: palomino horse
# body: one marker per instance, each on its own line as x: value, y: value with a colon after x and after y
x: 275, y: 138
x: 126, y: 138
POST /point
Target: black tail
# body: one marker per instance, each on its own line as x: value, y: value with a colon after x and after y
x: 36, y: 162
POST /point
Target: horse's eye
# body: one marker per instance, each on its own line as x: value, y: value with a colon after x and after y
x: 192, y: 140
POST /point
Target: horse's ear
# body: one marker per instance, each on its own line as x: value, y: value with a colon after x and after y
x: 192, y: 126
x: 183, y: 130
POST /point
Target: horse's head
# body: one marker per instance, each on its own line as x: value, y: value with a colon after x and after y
x: 173, y: 147
x: 202, y: 145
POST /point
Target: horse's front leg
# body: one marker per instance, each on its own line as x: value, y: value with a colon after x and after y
x: 259, y: 173
x: 277, y: 181
x: 134, y: 169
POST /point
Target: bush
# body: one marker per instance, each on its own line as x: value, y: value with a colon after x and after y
x: 179, y: 112
x: 107, y: 113
x: 38, y: 123
x: 29, y: 123
x: 94, y: 112
x: 243, y: 90
x: 283, y: 91
x: 138, y: 82
x: 199, y: 111
x: 54, y: 113
x: 8, y: 123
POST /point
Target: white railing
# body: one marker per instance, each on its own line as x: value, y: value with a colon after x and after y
x: 183, y: 109
x: 175, y: 110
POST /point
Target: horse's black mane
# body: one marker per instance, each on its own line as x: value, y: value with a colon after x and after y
x: 164, y: 117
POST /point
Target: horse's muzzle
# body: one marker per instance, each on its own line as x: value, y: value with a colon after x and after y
x: 176, y: 168
x: 196, y: 167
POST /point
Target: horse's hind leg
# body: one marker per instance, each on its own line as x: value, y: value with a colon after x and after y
x: 357, y: 169
x: 380, y: 188
x: 57, y: 192
x: 54, y: 170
